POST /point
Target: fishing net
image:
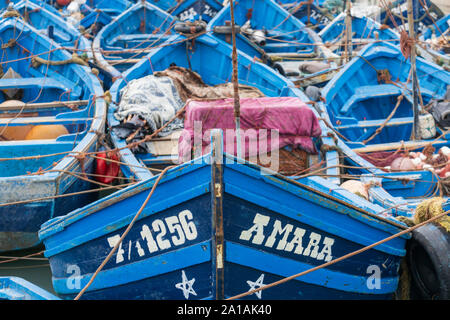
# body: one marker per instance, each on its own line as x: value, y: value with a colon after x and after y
x: 148, y: 103
x: 430, y: 208
x: 383, y: 158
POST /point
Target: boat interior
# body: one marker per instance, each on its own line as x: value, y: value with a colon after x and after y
x: 43, y: 109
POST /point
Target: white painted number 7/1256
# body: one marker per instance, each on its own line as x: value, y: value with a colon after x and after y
x: 181, y: 227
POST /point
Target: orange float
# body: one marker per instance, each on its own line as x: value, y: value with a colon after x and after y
x: 52, y: 131
x: 12, y: 133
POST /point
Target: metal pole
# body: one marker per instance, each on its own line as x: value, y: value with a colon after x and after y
x: 237, y: 104
x: 415, y: 132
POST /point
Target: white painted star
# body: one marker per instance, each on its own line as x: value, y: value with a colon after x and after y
x: 186, y: 285
x: 256, y: 285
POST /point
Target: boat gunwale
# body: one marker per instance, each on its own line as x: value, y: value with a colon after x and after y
x: 96, y: 97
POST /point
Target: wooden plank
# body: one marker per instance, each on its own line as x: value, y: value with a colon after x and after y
x: 42, y: 120
x: 43, y: 105
x: 376, y: 123
x: 397, y: 145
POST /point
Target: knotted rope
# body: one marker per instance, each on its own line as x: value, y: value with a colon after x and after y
x: 38, y: 61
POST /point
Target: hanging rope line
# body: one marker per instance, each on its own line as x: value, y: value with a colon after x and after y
x: 349, y: 255
x: 105, y: 261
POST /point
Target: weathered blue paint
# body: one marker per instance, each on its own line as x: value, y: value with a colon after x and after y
x: 290, y: 36
x: 364, y: 29
x: 287, y: 44
x: 399, y: 15
x: 190, y: 9
x: 135, y: 272
x: 437, y: 29
x: 217, y: 70
x: 14, y: 288
x: 201, y: 265
x: 44, y: 19
x: 20, y: 216
x: 97, y: 13
x: 357, y: 104
x: 308, y: 13
x: 130, y: 35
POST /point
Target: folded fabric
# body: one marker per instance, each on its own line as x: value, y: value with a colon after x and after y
x: 266, y: 124
x: 153, y: 98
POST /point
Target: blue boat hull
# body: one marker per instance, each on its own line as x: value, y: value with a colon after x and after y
x: 131, y: 35
x: 14, y: 288
x: 212, y: 231
x: 40, y: 179
x: 19, y: 223
x: 358, y: 104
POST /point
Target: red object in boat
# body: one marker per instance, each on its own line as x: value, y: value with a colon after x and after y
x: 63, y: 2
x: 106, y: 170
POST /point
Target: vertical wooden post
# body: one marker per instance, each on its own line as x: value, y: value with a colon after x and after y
x: 237, y: 103
x: 416, y: 131
x: 348, y: 31
x: 217, y: 192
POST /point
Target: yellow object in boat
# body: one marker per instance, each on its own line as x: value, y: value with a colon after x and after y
x: 46, y: 132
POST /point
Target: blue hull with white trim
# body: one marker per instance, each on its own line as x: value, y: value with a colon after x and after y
x: 52, y: 25
x: 129, y: 37
x: 272, y: 227
x: 360, y: 99
x: 14, y: 288
x: 216, y: 226
x: 190, y: 9
x: 39, y: 174
x: 310, y: 13
x: 397, y: 16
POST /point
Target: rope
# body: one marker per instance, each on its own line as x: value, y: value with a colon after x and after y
x: 406, y: 44
x: 64, y: 195
x: 9, y: 44
x: 19, y: 258
x: 430, y: 208
x: 11, y: 14
x: 349, y: 255
x: 381, y: 127
x: 36, y: 62
x: 123, y: 235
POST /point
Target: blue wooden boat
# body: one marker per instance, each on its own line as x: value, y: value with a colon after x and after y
x: 271, y: 34
x: 52, y: 25
x: 49, y: 114
x: 95, y: 13
x: 311, y: 13
x: 282, y: 34
x: 437, y: 29
x: 98, y: 13
x: 364, y: 30
x: 14, y: 288
x: 129, y: 37
x: 373, y: 128
x: 222, y: 225
x: 190, y: 9
x: 360, y: 99
x: 398, y: 14
x: 434, y: 44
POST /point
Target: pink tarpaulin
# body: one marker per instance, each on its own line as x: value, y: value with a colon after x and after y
x: 266, y: 124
